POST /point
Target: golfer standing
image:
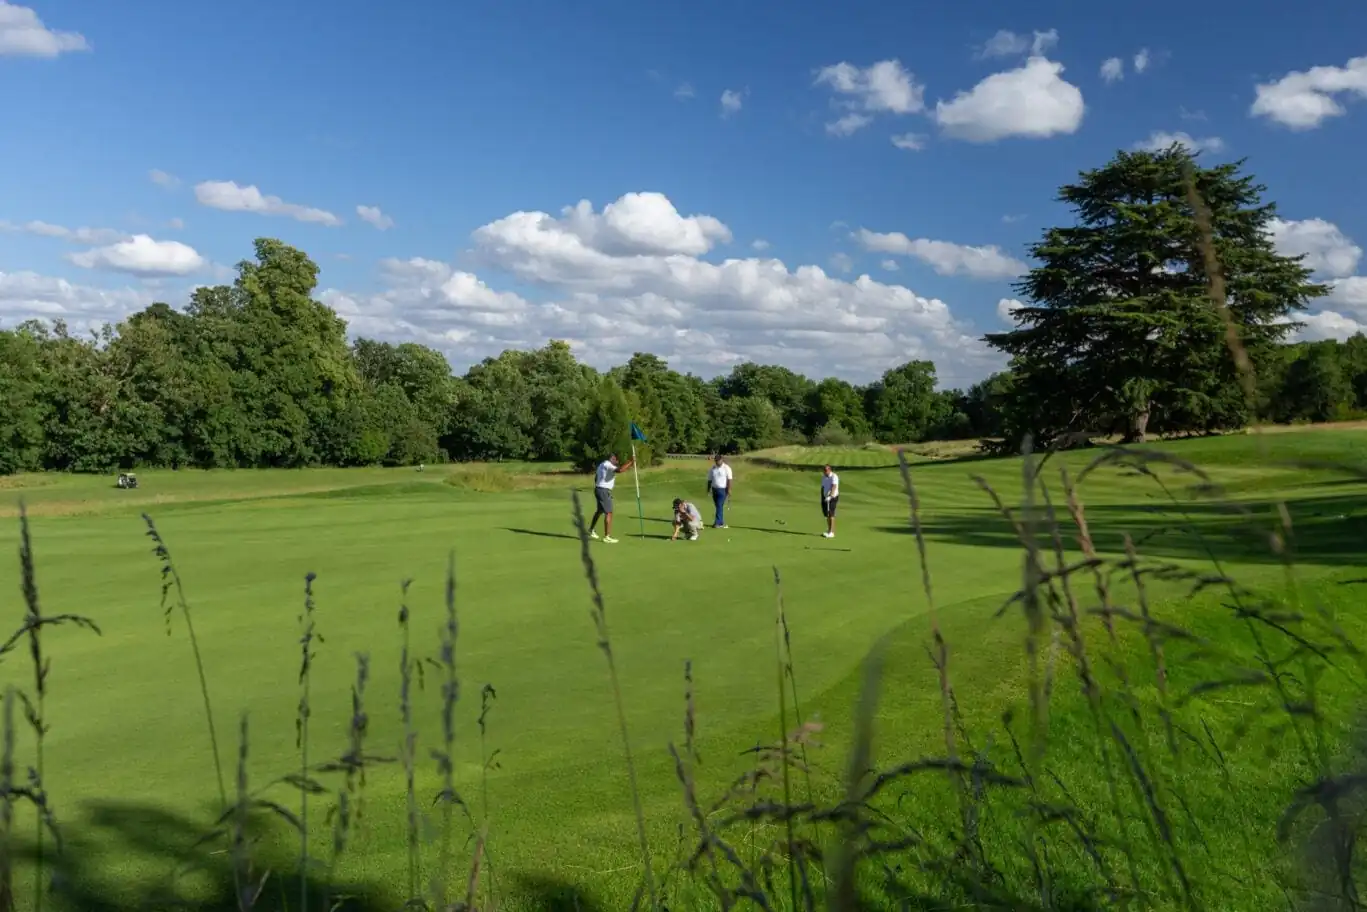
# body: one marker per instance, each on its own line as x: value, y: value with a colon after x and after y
x: 830, y: 499
x: 719, y: 486
x: 603, y: 481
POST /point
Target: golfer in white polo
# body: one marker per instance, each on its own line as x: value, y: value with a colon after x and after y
x: 719, y: 486
x: 830, y: 499
x: 603, y: 481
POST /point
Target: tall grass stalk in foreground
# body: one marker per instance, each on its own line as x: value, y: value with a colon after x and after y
x: 7, y: 805
x: 780, y: 628
x: 36, y: 709
x: 308, y: 633
x: 170, y: 579
x: 488, y: 763
x: 445, y: 757
x: 409, y: 752
x: 600, y: 621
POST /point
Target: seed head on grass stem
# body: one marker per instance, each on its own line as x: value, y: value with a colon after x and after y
x: 170, y: 579
x: 600, y: 621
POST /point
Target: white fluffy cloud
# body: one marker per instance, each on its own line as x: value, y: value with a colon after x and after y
x: 1141, y: 60
x: 944, y: 257
x: 1006, y: 309
x: 613, y: 285
x: 23, y: 34
x: 26, y: 295
x: 886, y: 87
x: 231, y: 197
x: 731, y: 102
x: 74, y: 235
x: 890, y: 265
x: 1328, y: 324
x: 1302, y: 100
x: 1031, y: 101
x: 636, y: 225
x: 1158, y: 141
x: 373, y: 216
x: 1006, y: 43
x: 140, y: 255
x: 1113, y: 69
x: 1328, y: 252
x: 912, y: 142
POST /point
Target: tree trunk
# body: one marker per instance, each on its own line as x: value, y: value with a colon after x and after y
x: 1139, y: 426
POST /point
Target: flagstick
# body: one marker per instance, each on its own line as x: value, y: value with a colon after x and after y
x: 634, y: 474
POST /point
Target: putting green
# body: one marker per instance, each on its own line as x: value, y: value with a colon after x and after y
x: 128, y: 740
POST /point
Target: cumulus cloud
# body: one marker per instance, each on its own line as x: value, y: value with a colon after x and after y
x: 372, y: 215
x: 163, y: 179
x: 231, y: 197
x: 944, y: 257
x: 1031, y: 101
x: 612, y: 285
x: 1006, y: 310
x: 1159, y: 141
x: 1141, y: 60
x: 74, y: 235
x: 1113, y: 69
x: 1328, y: 252
x: 1006, y: 43
x: 890, y: 265
x: 886, y: 87
x: 1302, y: 100
x: 23, y: 34
x: 760, y: 244
x: 140, y: 255
x: 1328, y: 324
x: 637, y: 224
x: 28, y: 295
x: 731, y: 102
x: 912, y: 142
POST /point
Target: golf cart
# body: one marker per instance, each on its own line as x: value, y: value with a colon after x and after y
x: 128, y: 480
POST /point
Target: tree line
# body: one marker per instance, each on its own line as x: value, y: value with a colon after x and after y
x: 1118, y: 334
x: 260, y: 374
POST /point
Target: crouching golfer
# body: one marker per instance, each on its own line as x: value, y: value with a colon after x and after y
x: 603, y: 481
x: 687, y: 520
x: 830, y: 499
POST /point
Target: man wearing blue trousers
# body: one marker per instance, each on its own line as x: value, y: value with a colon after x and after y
x: 719, y: 486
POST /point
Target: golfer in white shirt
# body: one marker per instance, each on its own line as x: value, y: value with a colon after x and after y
x: 719, y: 486
x: 830, y: 499
x: 603, y: 481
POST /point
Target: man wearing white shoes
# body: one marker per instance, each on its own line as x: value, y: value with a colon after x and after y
x: 603, y: 480
x: 830, y: 498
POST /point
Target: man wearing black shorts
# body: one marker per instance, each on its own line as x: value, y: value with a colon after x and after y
x: 830, y: 499
x: 603, y: 480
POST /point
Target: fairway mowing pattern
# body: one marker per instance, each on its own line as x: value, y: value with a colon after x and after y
x: 127, y: 725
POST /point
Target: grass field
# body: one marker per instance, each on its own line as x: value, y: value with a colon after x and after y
x: 131, y: 776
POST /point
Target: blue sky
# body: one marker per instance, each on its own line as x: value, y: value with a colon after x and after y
x: 784, y: 224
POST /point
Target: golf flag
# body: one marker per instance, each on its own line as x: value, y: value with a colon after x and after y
x: 640, y: 514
